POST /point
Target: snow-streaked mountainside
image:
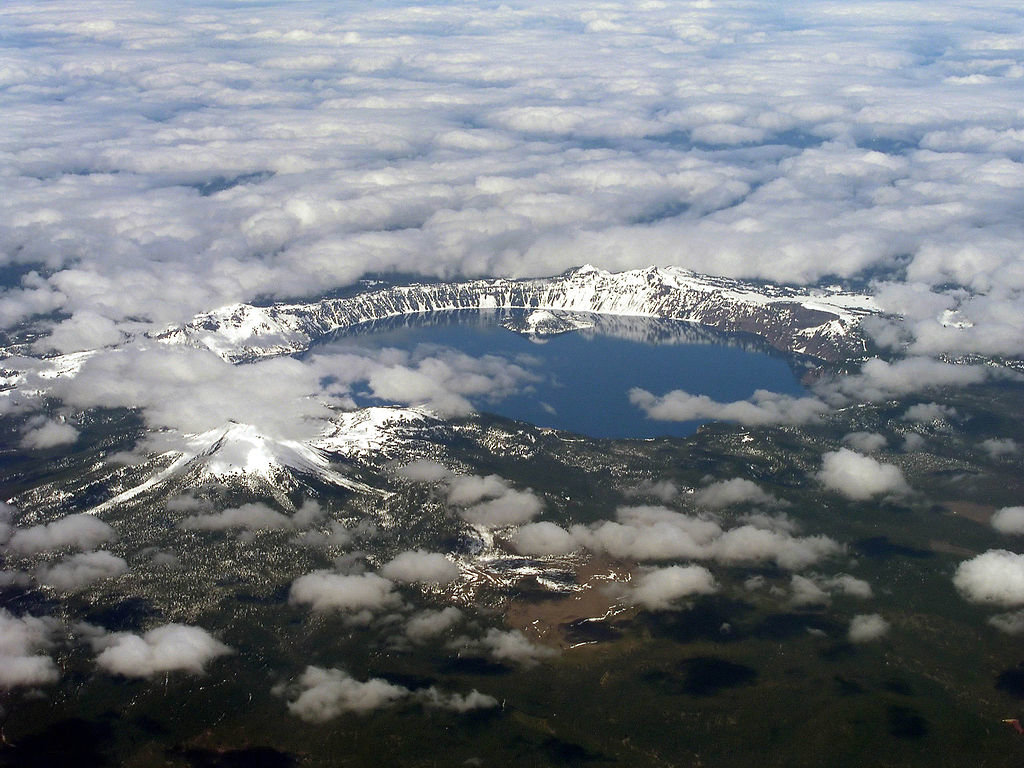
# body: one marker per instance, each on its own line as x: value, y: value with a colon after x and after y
x: 240, y: 455
x: 823, y: 323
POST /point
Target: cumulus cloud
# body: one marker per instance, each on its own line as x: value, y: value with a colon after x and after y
x: 426, y: 625
x: 996, y: 577
x: 928, y: 412
x: 653, y: 533
x: 421, y: 566
x: 456, y: 702
x: 81, y: 570
x: 251, y: 517
x: 424, y: 471
x: 513, y: 646
x: 663, y: 490
x: 490, y: 501
x: 22, y: 642
x: 880, y: 379
x: 512, y: 508
x: 1009, y: 520
x: 48, y: 434
x: 738, y: 490
x: 327, y: 591
x: 77, y: 531
x: 763, y: 407
x: 865, y: 442
x: 324, y: 694
x: 750, y: 544
x: 865, y: 628
x: 469, y: 489
x: 860, y: 477
x: 805, y: 592
x: 168, y: 648
x: 1011, y: 623
x: 659, y: 589
x: 544, y: 538
x: 997, y: 447
x: 818, y: 590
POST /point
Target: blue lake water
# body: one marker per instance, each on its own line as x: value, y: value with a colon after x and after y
x: 584, y: 377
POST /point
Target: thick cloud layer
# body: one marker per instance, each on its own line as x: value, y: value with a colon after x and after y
x: 160, y: 163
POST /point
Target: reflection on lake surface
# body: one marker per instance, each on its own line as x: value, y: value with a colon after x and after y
x: 584, y: 376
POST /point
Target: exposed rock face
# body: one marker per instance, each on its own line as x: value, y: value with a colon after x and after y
x: 824, y: 323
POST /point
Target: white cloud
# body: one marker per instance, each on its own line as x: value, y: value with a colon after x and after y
x: 763, y: 407
x: 22, y: 640
x: 490, y: 501
x: 865, y: 628
x: 865, y: 442
x: 652, y: 533
x: 996, y: 577
x: 456, y: 702
x: 512, y: 645
x: 440, y: 154
x: 849, y: 585
x: 326, y: 591
x: 818, y: 590
x: 48, y: 434
x: 659, y: 589
x: 424, y: 471
x: 469, y: 489
x: 325, y: 694
x: 806, y: 592
x: 544, y: 538
x: 429, y: 624
x: 1011, y: 623
x: 81, y: 570
x: 860, y: 477
x: 738, y: 490
x: 880, y: 380
x: 1009, y: 520
x: 926, y: 412
x: 78, y: 531
x: 997, y: 447
x: 251, y: 517
x: 749, y: 544
x: 168, y: 648
x: 663, y: 490
x: 421, y: 566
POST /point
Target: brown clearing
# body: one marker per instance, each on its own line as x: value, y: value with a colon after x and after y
x: 545, y: 618
x: 978, y: 513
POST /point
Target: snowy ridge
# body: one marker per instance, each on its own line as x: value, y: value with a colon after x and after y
x: 823, y: 323
x: 369, y: 431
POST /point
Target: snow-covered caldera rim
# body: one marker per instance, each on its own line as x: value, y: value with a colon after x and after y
x: 822, y: 322
x: 848, y: 305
